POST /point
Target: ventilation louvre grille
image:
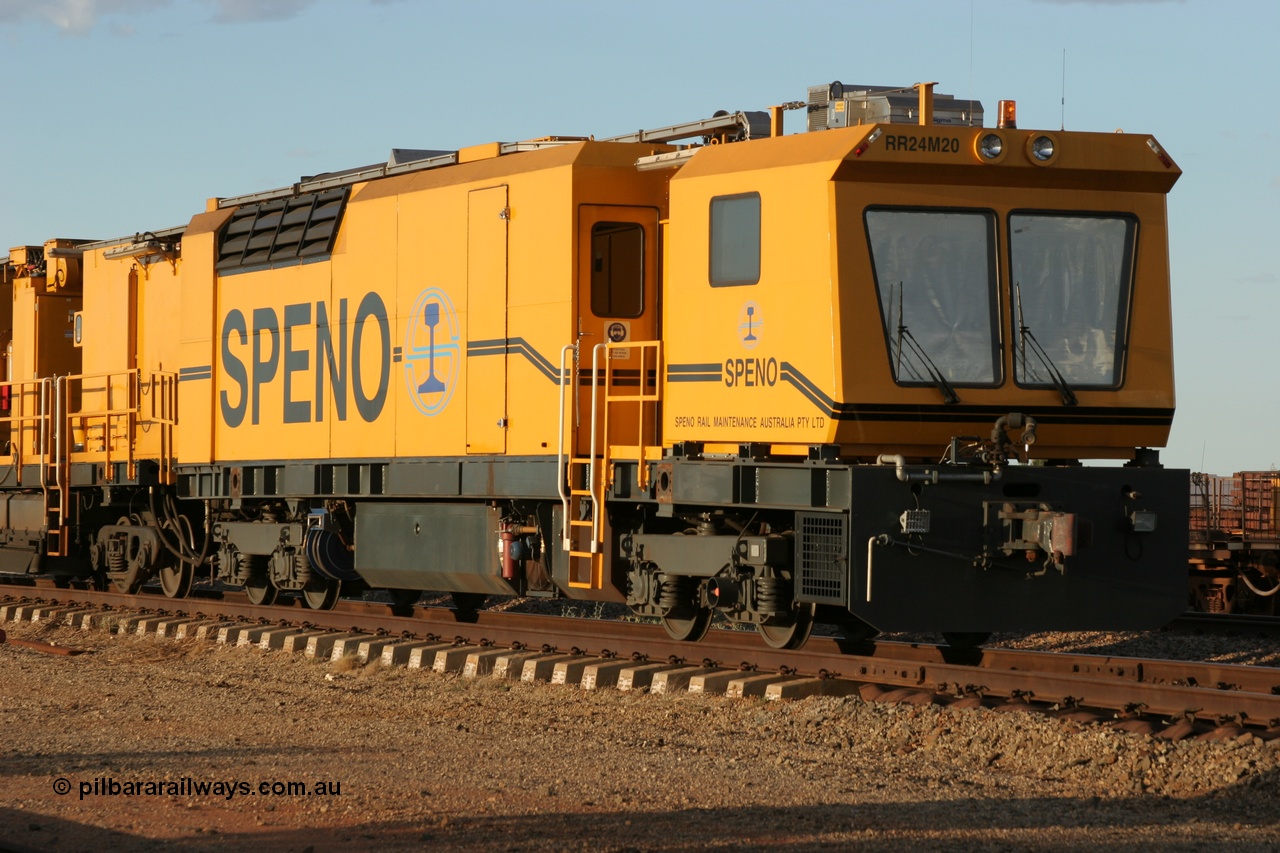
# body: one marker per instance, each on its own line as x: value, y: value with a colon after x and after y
x: 281, y: 232
x: 822, y: 558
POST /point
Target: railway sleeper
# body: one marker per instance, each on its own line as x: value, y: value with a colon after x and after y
x: 590, y: 671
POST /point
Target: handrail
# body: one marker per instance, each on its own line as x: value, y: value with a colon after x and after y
x: 43, y: 410
x: 58, y: 433
x: 61, y: 468
x: 43, y: 437
x: 597, y: 523
x: 641, y: 397
x: 569, y: 381
x: 26, y: 419
x: 596, y: 466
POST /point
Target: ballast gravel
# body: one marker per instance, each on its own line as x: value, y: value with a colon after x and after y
x: 190, y: 745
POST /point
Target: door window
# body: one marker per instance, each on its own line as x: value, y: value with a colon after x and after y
x: 617, y: 269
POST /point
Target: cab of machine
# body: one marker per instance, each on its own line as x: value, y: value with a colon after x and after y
x: 898, y: 283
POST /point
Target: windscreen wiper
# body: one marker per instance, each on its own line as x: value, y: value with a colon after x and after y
x: 1024, y: 336
x: 949, y: 395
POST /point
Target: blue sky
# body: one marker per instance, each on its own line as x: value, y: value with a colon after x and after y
x: 125, y: 115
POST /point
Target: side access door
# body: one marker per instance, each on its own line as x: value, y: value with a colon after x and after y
x: 618, y: 283
x: 487, y: 217
x: 611, y: 404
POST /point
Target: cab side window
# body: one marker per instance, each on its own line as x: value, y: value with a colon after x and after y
x: 735, y: 240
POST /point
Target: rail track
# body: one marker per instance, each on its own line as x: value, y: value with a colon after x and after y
x: 1234, y: 624
x: 1172, y: 698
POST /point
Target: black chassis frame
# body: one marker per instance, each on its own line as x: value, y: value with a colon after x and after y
x: 853, y: 550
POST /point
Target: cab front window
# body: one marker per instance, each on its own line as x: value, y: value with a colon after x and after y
x: 935, y: 274
x: 1071, y: 276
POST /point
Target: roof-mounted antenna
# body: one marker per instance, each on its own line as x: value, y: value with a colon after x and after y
x: 1063, y: 125
x: 970, y: 63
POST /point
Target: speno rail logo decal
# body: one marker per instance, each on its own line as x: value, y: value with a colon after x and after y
x: 433, y: 352
x: 749, y: 325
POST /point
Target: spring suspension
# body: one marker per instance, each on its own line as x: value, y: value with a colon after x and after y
x: 249, y: 565
x: 116, y: 561
x: 301, y: 567
x: 773, y: 595
x: 675, y: 591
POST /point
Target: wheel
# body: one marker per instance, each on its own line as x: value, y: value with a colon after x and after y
x: 176, y: 580
x: 791, y: 636
x: 964, y: 639
x: 468, y: 602
x: 259, y: 589
x: 690, y: 628
x: 321, y: 593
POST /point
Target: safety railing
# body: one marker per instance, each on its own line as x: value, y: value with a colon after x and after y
x: 584, y: 479
x: 645, y: 397
x: 106, y: 418
x: 25, y: 427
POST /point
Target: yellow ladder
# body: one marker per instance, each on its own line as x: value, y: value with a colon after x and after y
x: 56, y: 473
x: 650, y: 358
x: 583, y: 480
x: 584, y: 540
x: 55, y: 521
x: 582, y: 534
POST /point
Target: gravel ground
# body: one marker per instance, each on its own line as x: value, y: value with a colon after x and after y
x: 439, y: 761
x: 1252, y: 651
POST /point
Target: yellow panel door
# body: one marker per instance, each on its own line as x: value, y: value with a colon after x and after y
x: 618, y: 281
x: 487, y: 320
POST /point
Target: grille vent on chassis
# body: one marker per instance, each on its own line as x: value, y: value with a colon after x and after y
x: 822, y: 557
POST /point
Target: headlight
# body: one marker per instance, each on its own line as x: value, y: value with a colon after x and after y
x: 1042, y: 148
x: 1143, y: 521
x: 991, y: 146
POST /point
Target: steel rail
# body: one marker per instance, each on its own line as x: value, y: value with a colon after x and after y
x: 1228, y: 623
x: 1212, y: 692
